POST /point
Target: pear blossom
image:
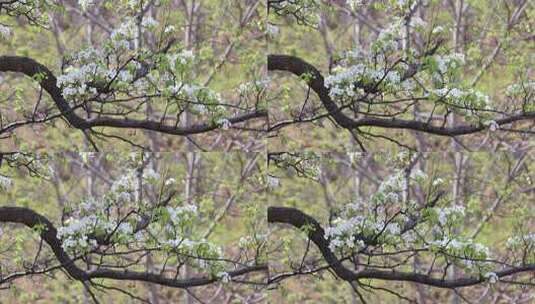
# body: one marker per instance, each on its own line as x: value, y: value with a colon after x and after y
x: 272, y: 30
x: 354, y: 4
x: 169, y: 29
x: 149, y: 22
x: 224, y: 277
x: 493, y: 125
x: 5, y: 182
x: 273, y: 181
x: 224, y: 123
x: 170, y: 181
x: 450, y: 213
x: 491, y: 277
x: 85, y: 4
x: 5, y: 32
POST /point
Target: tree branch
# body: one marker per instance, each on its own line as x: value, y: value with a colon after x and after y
x: 48, y: 233
x: 33, y: 68
x: 299, y: 67
x: 315, y: 232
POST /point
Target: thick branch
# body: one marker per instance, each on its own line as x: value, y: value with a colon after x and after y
x: 315, y: 232
x: 48, y: 233
x: 299, y: 67
x: 33, y: 68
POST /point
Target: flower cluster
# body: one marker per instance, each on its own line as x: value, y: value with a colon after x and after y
x: 254, y: 86
x: 124, y: 188
x: 178, y: 215
x: 5, y: 32
x: 75, y: 234
x: 355, y: 4
x: 450, y: 215
x: 119, y: 218
x: 462, y: 248
x: 224, y: 123
x: 172, y: 231
x: 522, y: 241
x: 34, y: 11
x: 85, y: 4
x: 359, y: 69
x: 363, y: 221
x: 524, y: 90
x: 469, y: 102
x: 304, y: 11
x: 121, y: 67
x: 491, y: 277
x: 388, y: 219
x: 378, y: 72
x: 224, y: 276
x: 447, y: 63
x: 75, y: 79
x: 251, y: 241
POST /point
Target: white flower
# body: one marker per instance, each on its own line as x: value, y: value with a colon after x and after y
x: 125, y: 228
x: 437, y: 181
x: 169, y: 29
x: 493, y: 125
x: 451, y: 61
x: 272, y: 30
x: 455, y: 93
x: 170, y: 181
x: 150, y: 174
x: 273, y: 182
x: 401, y: 3
x: 417, y: 22
x: 409, y: 237
x: 224, y: 276
x: 90, y: 204
x: 139, y: 236
x: 202, y: 109
x: 149, y: 22
x: 260, y: 84
x: 125, y: 76
x: 127, y: 30
x: 520, y: 89
x: 418, y: 175
x: 224, y: 123
x: 491, y: 277
x: 179, y: 214
x: 5, y: 182
x: 453, y: 212
x: 353, y: 4
x: 523, y: 240
x: 393, y: 228
x: 5, y: 32
x: 393, y: 77
x: 181, y: 58
x: 74, y: 235
x: 438, y: 30
x: 84, y: 4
